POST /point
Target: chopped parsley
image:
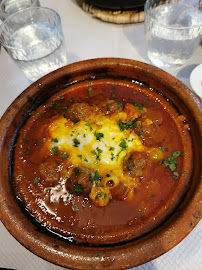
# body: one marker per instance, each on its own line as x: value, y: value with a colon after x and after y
x: 144, y: 101
x: 78, y: 188
x: 97, y: 152
x: 89, y: 125
x: 98, y: 135
x: 99, y: 195
x: 60, y: 97
x: 139, y: 106
x: 175, y: 175
x: 90, y: 91
x: 123, y: 145
x: 24, y: 139
x: 55, y: 150
x: 77, y: 171
x: 96, y: 177
x: 63, y: 155
x: 112, y: 156
x: 75, y: 207
x: 76, y: 142
x: 54, y: 104
x: 127, y: 125
x: 75, y: 121
x: 171, y: 162
x: 54, y: 140
x: 36, y: 180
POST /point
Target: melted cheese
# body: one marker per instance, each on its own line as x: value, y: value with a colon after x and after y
x: 97, y: 143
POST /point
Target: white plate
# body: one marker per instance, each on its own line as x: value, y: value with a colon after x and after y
x: 196, y: 80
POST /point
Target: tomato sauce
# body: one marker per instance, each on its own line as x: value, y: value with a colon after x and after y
x: 59, y: 194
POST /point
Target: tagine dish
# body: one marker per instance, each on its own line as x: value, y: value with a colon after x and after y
x: 101, y: 163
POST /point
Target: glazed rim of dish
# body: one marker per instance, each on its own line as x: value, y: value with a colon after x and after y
x: 122, y: 256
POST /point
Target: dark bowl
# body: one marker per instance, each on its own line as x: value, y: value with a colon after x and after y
x: 116, y: 4
x: 120, y: 256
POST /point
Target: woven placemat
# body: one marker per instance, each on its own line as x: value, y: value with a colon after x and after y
x: 117, y: 16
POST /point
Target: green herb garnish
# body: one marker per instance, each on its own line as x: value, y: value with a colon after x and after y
x: 63, y: 155
x: 77, y: 171
x: 54, y: 140
x: 97, y: 177
x: 60, y: 97
x: 54, y: 104
x: 55, y: 150
x: 36, y: 180
x: 123, y: 145
x: 99, y: 195
x: 127, y: 125
x: 90, y: 90
x: 171, y: 162
x: 175, y: 175
x: 98, y: 135
x: 78, y: 188
x: 97, y: 152
x: 75, y: 207
x: 76, y: 142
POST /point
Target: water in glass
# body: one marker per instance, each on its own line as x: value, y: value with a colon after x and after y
x: 41, y: 57
x: 173, y: 31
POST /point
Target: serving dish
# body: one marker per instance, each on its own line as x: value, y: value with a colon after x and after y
x: 116, y: 5
x: 121, y: 255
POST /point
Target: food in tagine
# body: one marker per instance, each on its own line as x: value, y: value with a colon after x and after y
x: 93, y: 162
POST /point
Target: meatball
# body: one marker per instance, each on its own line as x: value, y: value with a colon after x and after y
x: 155, y: 116
x: 120, y: 191
x: 79, y: 111
x: 109, y: 106
x: 50, y: 169
x: 80, y: 181
x: 135, y: 164
x: 132, y: 111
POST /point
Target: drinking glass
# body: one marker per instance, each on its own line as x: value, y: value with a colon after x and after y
x: 34, y: 39
x: 8, y: 7
x: 173, y: 31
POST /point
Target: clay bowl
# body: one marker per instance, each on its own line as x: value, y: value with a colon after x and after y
x: 167, y: 234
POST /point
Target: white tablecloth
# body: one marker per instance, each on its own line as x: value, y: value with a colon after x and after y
x: 87, y: 37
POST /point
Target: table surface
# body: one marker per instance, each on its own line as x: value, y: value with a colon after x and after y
x: 86, y: 38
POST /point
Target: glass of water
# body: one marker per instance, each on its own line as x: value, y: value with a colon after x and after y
x: 8, y: 7
x: 173, y: 31
x: 34, y: 39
